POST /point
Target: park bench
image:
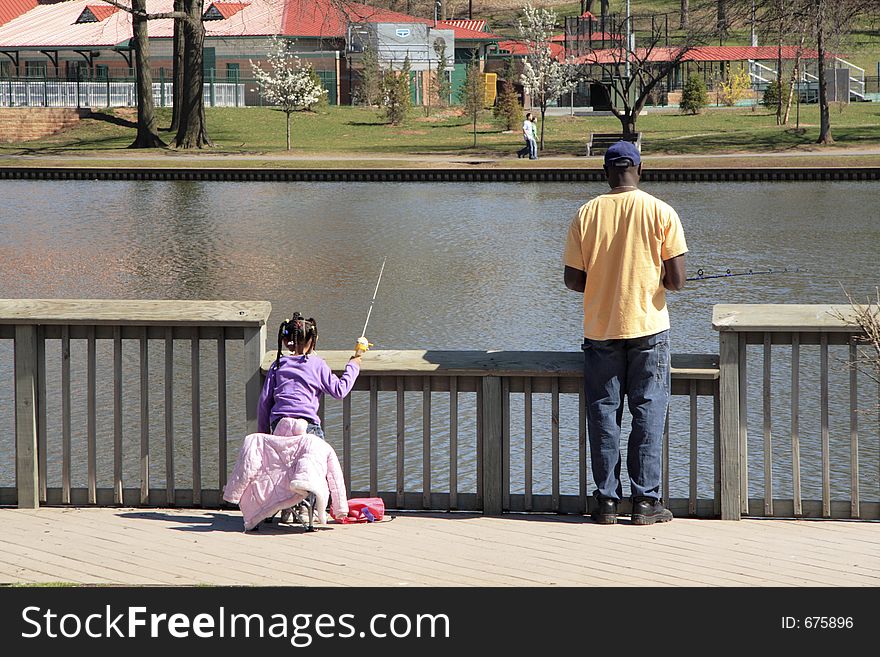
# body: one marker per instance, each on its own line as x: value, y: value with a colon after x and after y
x: 600, y: 141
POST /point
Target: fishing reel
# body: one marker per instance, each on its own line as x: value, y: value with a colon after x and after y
x: 362, y: 345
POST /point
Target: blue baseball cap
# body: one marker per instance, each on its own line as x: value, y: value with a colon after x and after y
x: 622, y: 154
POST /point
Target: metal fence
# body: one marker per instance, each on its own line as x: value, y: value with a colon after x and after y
x: 51, y: 92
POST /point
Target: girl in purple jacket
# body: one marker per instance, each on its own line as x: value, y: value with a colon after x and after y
x: 294, y: 383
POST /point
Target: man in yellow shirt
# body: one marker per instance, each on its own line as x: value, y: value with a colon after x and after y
x: 624, y: 250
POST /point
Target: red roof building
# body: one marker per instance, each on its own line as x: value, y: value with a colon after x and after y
x: 699, y: 54
x: 85, y: 39
x: 473, y: 25
x: 10, y: 9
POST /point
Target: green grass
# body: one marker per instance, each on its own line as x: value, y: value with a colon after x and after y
x: 27, y: 585
x: 329, y: 136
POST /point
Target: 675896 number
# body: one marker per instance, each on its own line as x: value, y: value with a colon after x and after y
x: 828, y: 622
x: 817, y: 622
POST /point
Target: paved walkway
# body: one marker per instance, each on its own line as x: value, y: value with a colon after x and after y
x: 188, y: 547
x: 422, y: 158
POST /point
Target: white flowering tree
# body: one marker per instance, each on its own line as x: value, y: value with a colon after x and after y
x: 544, y: 77
x: 287, y: 83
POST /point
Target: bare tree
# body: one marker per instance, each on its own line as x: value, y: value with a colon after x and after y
x: 824, y: 24
x: 177, y: 67
x: 634, y: 71
x: 834, y: 20
x: 190, y: 109
x: 865, y: 317
x: 193, y: 131
x: 147, y: 130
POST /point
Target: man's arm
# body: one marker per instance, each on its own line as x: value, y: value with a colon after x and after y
x: 575, y: 279
x: 674, y: 273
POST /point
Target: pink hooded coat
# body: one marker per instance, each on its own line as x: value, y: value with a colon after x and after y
x: 274, y: 472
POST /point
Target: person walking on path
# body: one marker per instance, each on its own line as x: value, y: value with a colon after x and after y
x: 529, y: 129
x: 624, y: 249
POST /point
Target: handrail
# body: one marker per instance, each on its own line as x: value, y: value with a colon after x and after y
x: 492, y: 382
x: 31, y: 322
x: 483, y: 391
x: 794, y: 325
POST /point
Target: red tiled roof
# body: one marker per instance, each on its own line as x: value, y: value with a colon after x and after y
x: 10, y: 9
x: 55, y: 26
x: 474, y: 25
x: 228, y: 9
x: 329, y: 19
x: 102, y: 12
x: 467, y: 34
x: 700, y: 54
x: 515, y: 47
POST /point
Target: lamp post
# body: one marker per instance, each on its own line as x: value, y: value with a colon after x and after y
x: 628, y: 38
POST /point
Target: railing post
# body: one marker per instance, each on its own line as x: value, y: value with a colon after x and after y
x: 254, y: 348
x: 492, y: 444
x: 26, y: 467
x: 729, y: 384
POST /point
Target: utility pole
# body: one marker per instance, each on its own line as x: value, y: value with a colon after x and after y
x: 754, y: 39
x: 629, y: 37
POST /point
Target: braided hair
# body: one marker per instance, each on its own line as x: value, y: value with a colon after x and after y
x: 296, y: 332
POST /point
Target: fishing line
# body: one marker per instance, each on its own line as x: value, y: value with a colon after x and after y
x: 363, y: 344
x: 703, y: 276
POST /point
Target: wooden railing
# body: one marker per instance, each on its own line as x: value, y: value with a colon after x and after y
x: 426, y: 430
x: 31, y: 323
x: 784, y: 333
x: 487, y: 382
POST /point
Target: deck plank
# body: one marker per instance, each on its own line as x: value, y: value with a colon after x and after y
x: 196, y: 546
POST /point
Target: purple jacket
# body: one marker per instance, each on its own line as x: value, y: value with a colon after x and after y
x: 294, y: 389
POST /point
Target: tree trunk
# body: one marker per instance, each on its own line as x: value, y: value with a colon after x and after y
x: 147, y: 131
x: 628, y: 122
x: 543, y: 112
x: 177, y: 69
x: 288, y: 130
x: 824, y: 113
x: 794, y: 76
x: 779, y: 66
x: 722, y: 19
x: 192, y: 132
x: 683, y: 23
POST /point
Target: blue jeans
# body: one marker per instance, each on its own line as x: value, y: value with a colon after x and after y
x: 640, y: 369
x: 311, y: 428
x: 533, y: 149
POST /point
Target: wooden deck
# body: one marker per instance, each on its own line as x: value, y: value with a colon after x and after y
x: 145, y: 547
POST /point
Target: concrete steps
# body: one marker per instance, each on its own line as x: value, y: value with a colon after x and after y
x: 18, y: 124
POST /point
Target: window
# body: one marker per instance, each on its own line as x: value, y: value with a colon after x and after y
x: 35, y: 69
x: 233, y: 72
x: 102, y: 72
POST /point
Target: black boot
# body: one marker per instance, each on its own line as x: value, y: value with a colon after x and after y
x: 606, y: 512
x: 647, y: 511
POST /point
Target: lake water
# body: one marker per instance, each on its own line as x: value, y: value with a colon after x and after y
x: 470, y: 266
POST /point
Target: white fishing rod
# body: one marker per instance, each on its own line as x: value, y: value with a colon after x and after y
x: 362, y: 343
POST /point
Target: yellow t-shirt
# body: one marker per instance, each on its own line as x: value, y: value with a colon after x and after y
x: 621, y: 241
